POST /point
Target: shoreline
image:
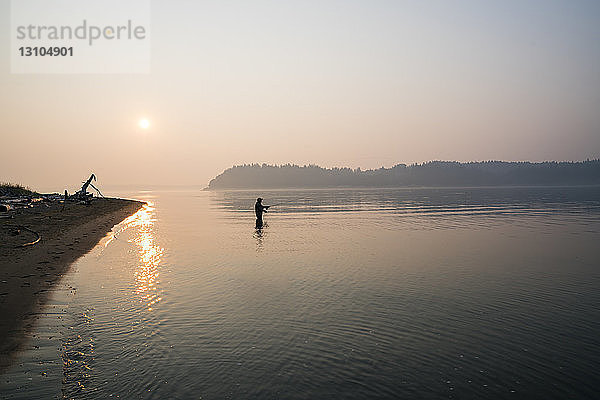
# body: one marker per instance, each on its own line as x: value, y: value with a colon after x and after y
x: 28, y: 273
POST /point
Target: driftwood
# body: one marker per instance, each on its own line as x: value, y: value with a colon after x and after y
x: 17, y: 231
x: 83, y: 194
x: 83, y: 190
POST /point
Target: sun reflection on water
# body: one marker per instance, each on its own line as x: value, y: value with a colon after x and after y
x: 147, y: 272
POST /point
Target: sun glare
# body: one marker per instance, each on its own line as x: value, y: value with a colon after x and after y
x: 144, y: 123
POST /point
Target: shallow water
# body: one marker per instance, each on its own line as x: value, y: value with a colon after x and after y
x: 354, y: 294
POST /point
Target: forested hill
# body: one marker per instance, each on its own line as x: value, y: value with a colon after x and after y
x: 433, y: 173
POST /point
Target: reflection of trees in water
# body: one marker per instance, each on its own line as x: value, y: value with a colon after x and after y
x: 422, y: 201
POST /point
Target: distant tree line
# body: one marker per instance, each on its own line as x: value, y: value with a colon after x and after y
x: 432, y: 173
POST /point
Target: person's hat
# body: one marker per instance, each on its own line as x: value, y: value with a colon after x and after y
x: 259, y: 199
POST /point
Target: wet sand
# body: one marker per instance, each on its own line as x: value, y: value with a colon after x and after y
x: 28, y: 273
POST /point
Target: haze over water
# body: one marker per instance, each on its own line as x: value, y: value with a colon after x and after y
x: 354, y: 294
x: 338, y: 83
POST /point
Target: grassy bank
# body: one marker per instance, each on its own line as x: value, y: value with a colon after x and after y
x: 15, y: 190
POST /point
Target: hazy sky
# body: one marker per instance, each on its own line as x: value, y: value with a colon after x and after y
x: 335, y: 83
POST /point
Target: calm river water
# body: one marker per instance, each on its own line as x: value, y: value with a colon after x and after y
x: 348, y: 294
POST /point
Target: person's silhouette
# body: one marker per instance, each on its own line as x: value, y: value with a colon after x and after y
x: 259, y: 208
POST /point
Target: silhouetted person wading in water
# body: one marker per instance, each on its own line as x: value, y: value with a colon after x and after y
x: 259, y: 208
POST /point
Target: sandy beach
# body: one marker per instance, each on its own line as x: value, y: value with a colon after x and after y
x: 28, y: 272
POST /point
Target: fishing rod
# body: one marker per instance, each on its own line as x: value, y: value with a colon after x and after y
x: 277, y: 204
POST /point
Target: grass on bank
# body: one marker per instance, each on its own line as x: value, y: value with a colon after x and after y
x: 15, y: 190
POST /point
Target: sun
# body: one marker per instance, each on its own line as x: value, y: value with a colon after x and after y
x: 144, y: 123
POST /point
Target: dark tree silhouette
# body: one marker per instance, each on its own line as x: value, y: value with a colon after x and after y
x: 433, y: 173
